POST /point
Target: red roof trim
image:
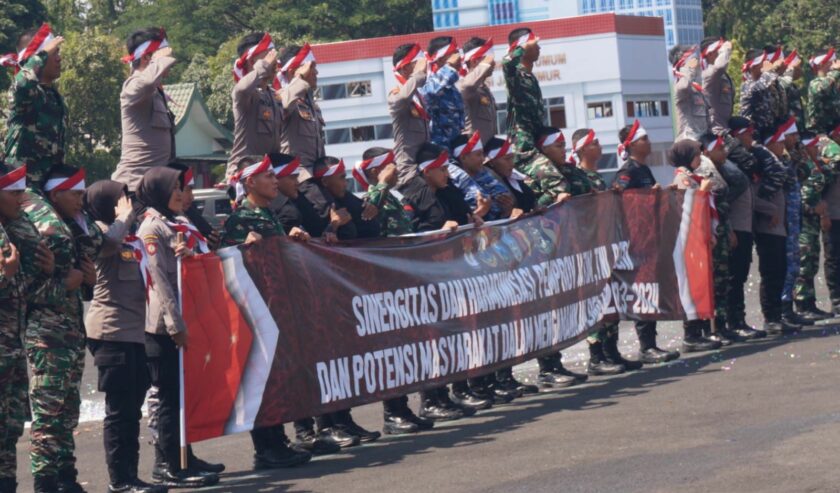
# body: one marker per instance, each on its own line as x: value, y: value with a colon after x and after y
x: 359, y: 49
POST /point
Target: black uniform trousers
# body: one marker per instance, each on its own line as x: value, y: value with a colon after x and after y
x: 162, y: 360
x: 831, y: 249
x: 124, y: 378
x: 772, y: 262
x: 740, y: 260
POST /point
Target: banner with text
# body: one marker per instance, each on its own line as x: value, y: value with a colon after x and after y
x: 280, y: 330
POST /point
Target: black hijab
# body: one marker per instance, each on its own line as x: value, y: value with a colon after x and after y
x: 101, y: 198
x: 156, y: 188
x: 683, y: 153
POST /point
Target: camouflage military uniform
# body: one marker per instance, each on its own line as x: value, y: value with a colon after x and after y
x: 54, y: 342
x: 793, y: 211
x: 794, y: 99
x: 609, y: 330
x: 526, y: 111
x: 758, y: 100
x: 549, y: 180
x: 720, y: 252
x: 36, y: 124
x: 395, y: 220
x: 247, y: 218
x: 482, y: 183
x: 831, y: 239
x: 824, y: 102
x: 13, y: 379
x: 88, y: 239
x: 813, y: 182
x: 444, y: 105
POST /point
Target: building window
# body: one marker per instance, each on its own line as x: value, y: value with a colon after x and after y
x: 384, y: 131
x: 556, y: 112
x: 669, y: 17
x: 607, y: 162
x: 601, y: 109
x: 355, y: 89
x: 338, y: 135
x: 363, y: 133
x: 501, y: 117
x: 670, y: 37
x: 503, y: 11
x: 358, y: 89
x: 643, y: 109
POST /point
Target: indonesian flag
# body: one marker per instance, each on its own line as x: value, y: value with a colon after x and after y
x: 580, y: 144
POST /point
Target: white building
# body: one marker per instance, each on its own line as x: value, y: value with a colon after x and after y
x: 599, y: 71
x: 683, y: 18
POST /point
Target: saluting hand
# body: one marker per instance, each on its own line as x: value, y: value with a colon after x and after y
x: 420, y: 65
x: 45, y: 259
x: 489, y: 60
x: 10, y: 264
x: 123, y: 206
x: 271, y: 59
x: 162, y: 53
x: 52, y: 46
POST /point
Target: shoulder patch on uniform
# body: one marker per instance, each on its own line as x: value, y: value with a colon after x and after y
x: 151, y: 248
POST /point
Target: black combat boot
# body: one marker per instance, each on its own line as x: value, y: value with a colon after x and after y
x: 598, y: 364
x: 649, y: 352
x: 45, y: 484
x: 693, y: 340
x: 791, y: 318
x: 613, y: 355
x: 808, y: 310
x: 8, y: 485
x: 67, y: 481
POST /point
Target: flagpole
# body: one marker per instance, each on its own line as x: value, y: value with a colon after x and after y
x: 182, y: 418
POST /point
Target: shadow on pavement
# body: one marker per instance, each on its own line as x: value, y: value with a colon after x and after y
x: 482, y: 428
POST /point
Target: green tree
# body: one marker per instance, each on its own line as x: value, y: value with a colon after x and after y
x: 91, y: 81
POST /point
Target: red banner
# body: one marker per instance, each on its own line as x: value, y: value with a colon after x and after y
x: 280, y: 330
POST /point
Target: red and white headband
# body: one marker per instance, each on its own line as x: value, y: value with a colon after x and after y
x: 755, y: 62
x: 522, y: 41
x: 552, y: 138
x: 36, y: 44
x: 779, y: 136
x: 792, y: 58
x: 790, y: 126
x: 189, y: 179
x: 239, y: 178
x: 776, y: 55
x: 712, y: 48
x: 240, y: 67
x: 505, y: 149
x: 637, y: 131
x: 580, y: 144
x: 332, y: 170
x: 372, y: 163
x: 289, y: 169
x: 437, y: 162
x: 147, y: 48
x: 479, y: 52
x: 75, y: 182
x: 287, y: 71
x: 686, y: 56
x: 819, y: 60
x: 471, y: 145
x: 718, y: 143
x: 811, y: 142
x: 741, y: 131
x: 414, y: 54
x: 442, y: 55
x: 14, y: 180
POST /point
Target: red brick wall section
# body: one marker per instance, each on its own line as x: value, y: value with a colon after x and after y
x: 360, y: 49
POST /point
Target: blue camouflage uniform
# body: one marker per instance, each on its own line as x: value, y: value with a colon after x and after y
x: 444, y: 105
x: 793, y: 203
x: 483, y: 182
